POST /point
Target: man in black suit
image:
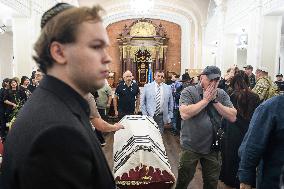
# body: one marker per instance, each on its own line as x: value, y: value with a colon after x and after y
x: 52, y: 145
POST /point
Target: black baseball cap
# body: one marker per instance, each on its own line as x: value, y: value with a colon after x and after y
x: 185, y: 77
x: 6, y: 80
x: 279, y: 75
x: 212, y: 72
x: 248, y: 67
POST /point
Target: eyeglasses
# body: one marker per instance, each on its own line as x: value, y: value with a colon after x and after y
x: 161, y: 76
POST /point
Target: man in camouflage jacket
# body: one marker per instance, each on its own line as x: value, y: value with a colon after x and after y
x: 263, y: 85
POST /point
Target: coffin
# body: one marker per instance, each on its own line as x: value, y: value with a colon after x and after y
x: 140, y: 158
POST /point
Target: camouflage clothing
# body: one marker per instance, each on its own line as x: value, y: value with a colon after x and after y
x: 264, y: 86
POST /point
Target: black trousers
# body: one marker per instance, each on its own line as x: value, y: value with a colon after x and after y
x: 122, y: 114
x: 3, y: 128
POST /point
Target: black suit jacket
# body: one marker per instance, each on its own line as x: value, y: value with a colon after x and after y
x: 52, y: 144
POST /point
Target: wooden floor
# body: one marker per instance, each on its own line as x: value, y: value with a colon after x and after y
x: 173, y: 149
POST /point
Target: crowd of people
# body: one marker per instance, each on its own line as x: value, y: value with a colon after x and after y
x: 195, y: 107
x: 13, y: 95
x: 233, y: 126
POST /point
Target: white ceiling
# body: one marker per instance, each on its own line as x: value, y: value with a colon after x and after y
x: 6, y: 12
x: 199, y: 7
x: 6, y: 15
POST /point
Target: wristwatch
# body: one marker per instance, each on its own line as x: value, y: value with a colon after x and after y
x: 214, y: 101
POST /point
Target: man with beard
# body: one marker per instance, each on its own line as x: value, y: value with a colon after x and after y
x: 52, y: 144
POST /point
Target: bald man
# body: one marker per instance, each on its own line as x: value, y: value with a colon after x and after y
x: 126, y: 98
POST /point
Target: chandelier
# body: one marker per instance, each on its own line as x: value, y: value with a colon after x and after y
x: 141, y: 7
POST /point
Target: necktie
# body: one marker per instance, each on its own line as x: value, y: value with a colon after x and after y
x: 158, y: 101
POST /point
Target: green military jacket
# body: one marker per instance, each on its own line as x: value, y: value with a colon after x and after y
x: 264, y: 88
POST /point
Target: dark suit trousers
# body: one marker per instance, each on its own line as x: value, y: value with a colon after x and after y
x: 160, y: 122
x: 99, y: 134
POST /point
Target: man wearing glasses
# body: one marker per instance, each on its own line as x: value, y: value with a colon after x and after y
x: 157, y: 101
x: 200, y: 105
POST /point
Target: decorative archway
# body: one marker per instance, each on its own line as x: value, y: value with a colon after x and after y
x: 143, y: 48
x: 187, y: 20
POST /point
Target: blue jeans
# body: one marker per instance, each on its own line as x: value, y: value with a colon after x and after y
x: 176, y: 120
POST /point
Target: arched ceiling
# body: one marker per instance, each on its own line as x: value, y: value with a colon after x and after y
x: 198, y: 7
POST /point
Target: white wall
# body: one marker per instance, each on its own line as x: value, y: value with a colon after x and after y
x: 6, y: 55
x: 22, y: 45
x: 271, y: 43
x: 282, y: 54
x: 26, y: 29
x: 230, y: 50
x: 260, y: 20
x: 241, y: 58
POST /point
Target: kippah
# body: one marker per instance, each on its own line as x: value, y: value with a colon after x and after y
x: 55, y: 10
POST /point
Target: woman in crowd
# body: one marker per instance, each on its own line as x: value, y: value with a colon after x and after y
x: 25, y: 82
x: 245, y: 101
x: 14, y: 99
x: 5, y: 87
x: 225, y: 82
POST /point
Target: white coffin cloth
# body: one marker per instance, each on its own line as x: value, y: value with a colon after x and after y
x: 138, y: 145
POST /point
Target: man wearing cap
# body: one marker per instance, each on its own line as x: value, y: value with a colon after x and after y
x: 248, y: 71
x: 280, y: 83
x: 52, y: 143
x: 197, y: 129
x: 263, y: 85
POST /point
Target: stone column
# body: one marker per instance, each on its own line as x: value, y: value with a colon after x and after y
x: 255, y: 37
x: 6, y: 55
x: 220, y: 11
x: 22, y: 46
x: 229, y: 52
x: 271, y: 43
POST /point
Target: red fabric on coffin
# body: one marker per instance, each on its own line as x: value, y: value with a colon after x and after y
x: 145, y: 178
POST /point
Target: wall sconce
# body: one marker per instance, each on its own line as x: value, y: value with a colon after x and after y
x: 3, y: 29
x: 214, y: 48
x: 242, y: 40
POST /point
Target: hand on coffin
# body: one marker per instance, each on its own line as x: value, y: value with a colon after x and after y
x: 118, y: 126
x: 136, y: 111
x: 116, y: 113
